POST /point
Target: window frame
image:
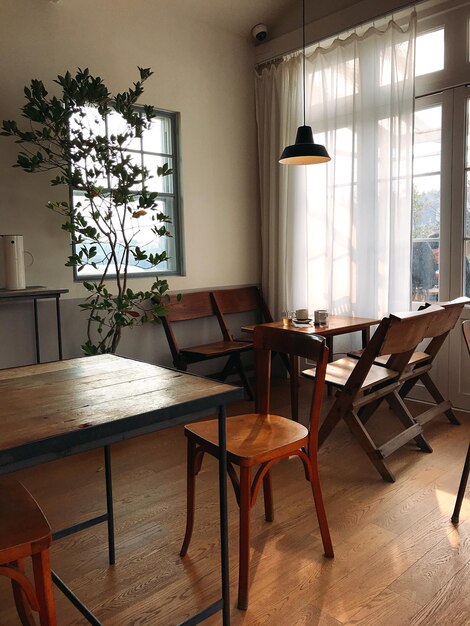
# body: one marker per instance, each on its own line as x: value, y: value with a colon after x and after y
x: 176, y: 222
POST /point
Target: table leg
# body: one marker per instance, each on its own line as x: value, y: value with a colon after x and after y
x: 109, y: 505
x: 329, y: 345
x: 223, y: 517
x: 294, y: 387
x: 59, y: 327
x: 78, y: 604
x: 365, y: 336
x: 36, y: 330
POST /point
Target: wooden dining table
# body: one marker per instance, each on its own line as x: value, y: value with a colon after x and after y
x: 337, y: 325
x: 57, y: 409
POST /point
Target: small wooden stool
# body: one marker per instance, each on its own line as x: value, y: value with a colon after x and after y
x: 25, y: 532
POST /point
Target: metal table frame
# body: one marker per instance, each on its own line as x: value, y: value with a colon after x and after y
x: 107, y: 433
x: 35, y: 294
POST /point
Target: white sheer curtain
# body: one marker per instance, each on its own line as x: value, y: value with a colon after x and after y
x: 337, y: 236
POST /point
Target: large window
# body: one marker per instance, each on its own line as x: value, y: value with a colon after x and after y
x: 157, y: 146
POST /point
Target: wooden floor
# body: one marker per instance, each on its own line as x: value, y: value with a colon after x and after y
x: 399, y: 560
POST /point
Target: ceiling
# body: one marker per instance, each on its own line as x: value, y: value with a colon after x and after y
x: 239, y: 16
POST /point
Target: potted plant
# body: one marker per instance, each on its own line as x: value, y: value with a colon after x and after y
x: 63, y: 137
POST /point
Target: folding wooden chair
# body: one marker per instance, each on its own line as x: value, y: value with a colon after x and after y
x: 422, y: 361
x: 196, y: 305
x: 262, y: 439
x: 229, y: 302
x: 363, y: 385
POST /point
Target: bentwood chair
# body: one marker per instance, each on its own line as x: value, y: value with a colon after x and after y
x: 363, y: 385
x: 262, y: 439
x: 466, y: 466
x: 25, y: 532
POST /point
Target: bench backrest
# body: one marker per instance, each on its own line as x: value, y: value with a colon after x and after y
x: 192, y: 305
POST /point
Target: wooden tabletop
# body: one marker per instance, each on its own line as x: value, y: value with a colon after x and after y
x: 337, y: 325
x: 55, y: 409
x: 32, y: 292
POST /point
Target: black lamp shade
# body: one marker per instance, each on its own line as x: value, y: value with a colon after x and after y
x: 305, y: 151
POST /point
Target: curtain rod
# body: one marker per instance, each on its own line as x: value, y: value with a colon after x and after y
x: 412, y: 5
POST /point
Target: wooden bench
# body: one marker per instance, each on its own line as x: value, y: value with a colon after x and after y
x: 217, y: 304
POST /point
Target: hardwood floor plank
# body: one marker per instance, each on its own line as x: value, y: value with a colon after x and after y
x: 422, y: 581
x: 451, y: 605
x: 385, y: 609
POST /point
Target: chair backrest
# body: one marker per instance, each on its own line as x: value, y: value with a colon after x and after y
x: 397, y: 337
x: 239, y: 300
x: 466, y: 333
x: 192, y: 305
x: 437, y: 331
x: 269, y: 339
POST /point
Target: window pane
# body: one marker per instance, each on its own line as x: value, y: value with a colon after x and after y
x: 135, y: 158
x: 117, y: 126
x: 427, y: 140
x: 425, y: 270
x: 158, y: 137
x: 162, y: 184
x: 466, y: 269
x: 426, y: 206
x: 139, y: 230
x: 429, y: 52
x: 467, y: 205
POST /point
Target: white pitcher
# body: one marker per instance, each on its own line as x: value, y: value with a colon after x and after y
x: 13, y: 254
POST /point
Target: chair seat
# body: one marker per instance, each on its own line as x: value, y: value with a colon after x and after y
x: 252, y: 437
x: 416, y: 357
x: 338, y: 372
x: 219, y: 348
x: 22, y: 522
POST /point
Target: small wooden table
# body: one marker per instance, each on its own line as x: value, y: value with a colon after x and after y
x: 35, y: 294
x: 52, y: 410
x: 337, y: 325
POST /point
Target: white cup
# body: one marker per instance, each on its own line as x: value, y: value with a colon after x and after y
x: 301, y: 314
x: 320, y: 317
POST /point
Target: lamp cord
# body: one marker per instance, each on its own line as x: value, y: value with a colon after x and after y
x: 303, y: 51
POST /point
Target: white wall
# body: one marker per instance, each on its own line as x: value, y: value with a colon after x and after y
x: 204, y: 74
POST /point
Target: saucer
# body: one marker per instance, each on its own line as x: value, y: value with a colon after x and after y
x: 305, y: 320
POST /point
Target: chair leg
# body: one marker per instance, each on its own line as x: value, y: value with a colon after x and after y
x: 44, y: 590
x: 367, y: 444
x: 320, y: 508
x: 397, y: 405
x: 268, y: 498
x: 462, y: 487
x: 23, y: 606
x: 436, y: 394
x: 243, y: 377
x: 244, y: 541
x: 191, y: 473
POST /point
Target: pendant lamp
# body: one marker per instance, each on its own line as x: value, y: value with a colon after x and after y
x: 305, y: 151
